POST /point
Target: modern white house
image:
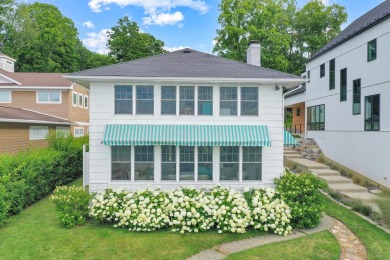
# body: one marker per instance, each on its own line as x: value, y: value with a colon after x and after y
x: 348, y: 96
x: 185, y: 118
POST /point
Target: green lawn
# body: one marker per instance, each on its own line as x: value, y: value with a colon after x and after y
x: 36, y: 234
x: 322, y: 245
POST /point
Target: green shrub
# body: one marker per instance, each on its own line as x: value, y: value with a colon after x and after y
x: 4, y: 206
x: 72, y: 203
x: 300, y: 192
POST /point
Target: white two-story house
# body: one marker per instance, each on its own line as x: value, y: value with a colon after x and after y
x: 348, y: 96
x: 185, y: 118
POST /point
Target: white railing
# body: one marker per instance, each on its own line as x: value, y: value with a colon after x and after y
x: 85, y: 165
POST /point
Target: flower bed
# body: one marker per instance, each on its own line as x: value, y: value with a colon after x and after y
x: 188, y: 210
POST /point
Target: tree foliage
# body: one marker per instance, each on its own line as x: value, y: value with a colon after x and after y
x: 288, y: 35
x: 126, y: 42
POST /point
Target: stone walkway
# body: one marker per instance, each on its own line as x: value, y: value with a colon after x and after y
x: 351, y: 247
x: 221, y: 251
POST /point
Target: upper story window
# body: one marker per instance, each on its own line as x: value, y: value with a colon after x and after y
x: 322, y: 70
x: 228, y: 101
x: 168, y: 100
x: 123, y: 99
x: 145, y: 100
x: 343, y: 84
x: 205, y: 101
x: 74, y: 99
x: 332, y: 74
x: 5, y: 96
x: 371, y: 50
x: 308, y: 75
x: 81, y: 100
x: 187, y: 100
x: 316, y: 117
x: 372, y: 113
x: 356, y: 96
x: 298, y: 111
x: 49, y: 97
x: 249, y: 101
x: 86, y: 103
x: 38, y: 132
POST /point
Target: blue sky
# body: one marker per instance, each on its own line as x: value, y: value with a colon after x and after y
x: 179, y: 23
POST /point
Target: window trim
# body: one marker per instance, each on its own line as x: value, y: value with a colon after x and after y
x: 82, y: 100
x: 343, y: 88
x: 49, y: 102
x: 309, y: 123
x: 353, y: 97
x: 38, y: 128
x: 73, y: 94
x: 365, y: 114
x: 322, y: 70
x: 132, y: 87
x: 10, y: 96
x: 332, y: 72
x: 86, y: 104
x: 78, y: 135
x: 368, y: 50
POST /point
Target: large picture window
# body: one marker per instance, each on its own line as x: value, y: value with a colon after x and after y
x: 168, y: 100
x: 372, y: 113
x: 123, y: 99
x: 205, y: 163
x: 121, y: 162
x: 38, y: 132
x: 168, y: 162
x: 371, y: 50
x: 332, y: 74
x: 356, y: 96
x: 316, y: 117
x: 187, y: 163
x: 145, y: 102
x: 229, y: 163
x: 228, y: 101
x: 205, y: 101
x: 187, y: 100
x: 144, y: 162
x: 249, y: 101
x: 343, y: 84
x: 251, y: 163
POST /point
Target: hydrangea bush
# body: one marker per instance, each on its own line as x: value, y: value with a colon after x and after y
x: 268, y: 211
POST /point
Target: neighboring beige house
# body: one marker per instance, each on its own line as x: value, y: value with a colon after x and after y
x: 36, y: 95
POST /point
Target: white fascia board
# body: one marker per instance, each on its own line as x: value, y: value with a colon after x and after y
x: 24, y: 121
x: 7, y: 57
x: 285, y: 82
x: 34, y: 88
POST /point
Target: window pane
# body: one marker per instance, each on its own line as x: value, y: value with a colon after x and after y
x: 356, y: 96
x: 145, y: 103
x: 5, y: 96
x: 343, y: 84
x: 322, y: 70
x: 229, y: 163
x: 121, y: 162
x: 371, y: 50
x: 143, y: 163
x: 205, y: 165
x: 168, y: 162
x: 123, y: 99
x: 249, y: 101
x: 332, y: 69
x: 187, y: 166
x: 205, y: 101
x: 251, y: 166
x: 228, y: 101
x: 74, y: 99
x: 168, y: 100
x: 43, y: 96
x: 187, y: 103
x: 55, y: 96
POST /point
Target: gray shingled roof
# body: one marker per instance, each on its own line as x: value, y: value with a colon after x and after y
x: 185, y: 63
x: 363, y: 23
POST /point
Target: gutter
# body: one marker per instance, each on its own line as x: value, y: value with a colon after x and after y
x: 24, y: 121
x: 34, y: 87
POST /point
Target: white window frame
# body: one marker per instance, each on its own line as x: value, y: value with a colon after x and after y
x: 86, y: 104
x: 64, y: 129
x: 82, y: 100
x: 73, y: 94
x: 78, y: 135
x: 10, y: 96
x: 39, y: 128
x: 49, y: 102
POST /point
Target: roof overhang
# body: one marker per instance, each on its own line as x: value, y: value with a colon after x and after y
x: 13, y: 87
x: 23, y: 121
x: 285, y: 82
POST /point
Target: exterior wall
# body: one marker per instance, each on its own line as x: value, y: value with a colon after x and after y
x: 299, y: 121
x: 344, y: 139
x: 76, y: 113
x: 27, y: 100
x: 15, y: 137
x: 102, y: 113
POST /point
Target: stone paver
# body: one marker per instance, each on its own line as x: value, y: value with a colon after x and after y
x: 351, y: 247
x: 310, y: 164
x: 219, y: 252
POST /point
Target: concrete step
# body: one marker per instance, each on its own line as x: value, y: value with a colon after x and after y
x: 335, y: 179
x: 363, y: 196
x: 347, y: 187
x: 310, y: 164
x: 325, y: 172
x: 290, y: 152
x: 295, y: 155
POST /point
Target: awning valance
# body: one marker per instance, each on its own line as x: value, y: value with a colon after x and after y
x: 187, y: 135
x: 289, y: 140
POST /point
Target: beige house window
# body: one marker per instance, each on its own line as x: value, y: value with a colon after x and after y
x: 38, y: 132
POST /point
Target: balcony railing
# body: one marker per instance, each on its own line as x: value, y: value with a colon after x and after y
x: 295, y: 129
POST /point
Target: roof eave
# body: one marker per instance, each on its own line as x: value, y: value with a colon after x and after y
x: 7, y: 120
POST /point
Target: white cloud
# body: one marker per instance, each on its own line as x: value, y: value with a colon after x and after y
x: 163, y: 18
x: 97, y: 41
x: 89, y: 24
x: 326, y: 2
x: 171, y: 49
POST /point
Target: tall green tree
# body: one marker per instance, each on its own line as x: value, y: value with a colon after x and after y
x: 281, y: 28
x: 126, y: 42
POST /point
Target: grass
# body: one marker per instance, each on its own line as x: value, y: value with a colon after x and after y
x: 384, y: 205
x: 35, y: 234
x: 322, y: 245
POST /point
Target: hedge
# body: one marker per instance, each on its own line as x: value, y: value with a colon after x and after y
x: 30, y: 175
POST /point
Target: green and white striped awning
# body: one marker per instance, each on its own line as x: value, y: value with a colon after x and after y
x: 187, y: 135
x: 289, y: 140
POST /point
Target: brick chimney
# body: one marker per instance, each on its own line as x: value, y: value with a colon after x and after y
x: 7, y: 63
x: 253, y: 54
